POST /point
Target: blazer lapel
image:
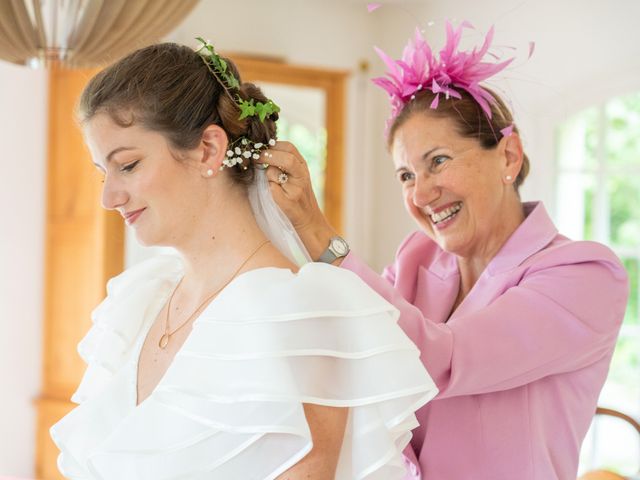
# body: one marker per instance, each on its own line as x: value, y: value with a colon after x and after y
x: 534, y: 234
x: 437, y: 288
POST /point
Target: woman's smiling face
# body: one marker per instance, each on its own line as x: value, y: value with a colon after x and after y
x: 453, y: 188
x: 154, y: 192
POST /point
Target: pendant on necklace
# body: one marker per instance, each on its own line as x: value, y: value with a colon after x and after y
x: 164, y: 340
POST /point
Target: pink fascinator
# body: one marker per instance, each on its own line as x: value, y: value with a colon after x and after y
x: 450, y: 72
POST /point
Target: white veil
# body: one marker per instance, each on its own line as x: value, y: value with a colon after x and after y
x: 274, y: 223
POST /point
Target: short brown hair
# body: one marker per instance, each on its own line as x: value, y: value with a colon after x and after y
x: 469, y: 118
x: 167, y: 88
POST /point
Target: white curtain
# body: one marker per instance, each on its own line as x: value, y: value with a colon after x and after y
x: 100, y: 31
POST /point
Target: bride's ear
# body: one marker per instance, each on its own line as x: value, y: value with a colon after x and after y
x: 214, y: 149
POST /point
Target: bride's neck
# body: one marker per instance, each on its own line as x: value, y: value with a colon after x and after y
x: 221, y: 239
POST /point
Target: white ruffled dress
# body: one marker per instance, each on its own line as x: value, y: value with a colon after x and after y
x: 230, y: 406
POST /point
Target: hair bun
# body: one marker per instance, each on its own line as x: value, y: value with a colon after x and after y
x: 257, y: 130
x: 250, y: 91
x: 251, y: 127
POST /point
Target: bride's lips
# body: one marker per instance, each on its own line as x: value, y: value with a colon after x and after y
x: 131, y: 217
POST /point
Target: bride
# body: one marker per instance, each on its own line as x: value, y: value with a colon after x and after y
x: 237, y: 358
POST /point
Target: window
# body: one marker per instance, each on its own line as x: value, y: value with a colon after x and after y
x: 302, y: 122
x: 598, y: 198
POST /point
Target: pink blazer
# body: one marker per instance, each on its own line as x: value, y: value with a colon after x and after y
x: 521, y: 361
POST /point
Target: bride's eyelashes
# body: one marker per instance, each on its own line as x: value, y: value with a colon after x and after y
x: 130, y: 166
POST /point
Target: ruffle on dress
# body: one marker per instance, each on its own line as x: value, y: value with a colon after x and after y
x: 230, y: 406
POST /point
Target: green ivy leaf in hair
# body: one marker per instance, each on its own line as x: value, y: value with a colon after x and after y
x: 217, y: 65
x: 266, y: 109
x: 219, y: 68
x: 247, y: 108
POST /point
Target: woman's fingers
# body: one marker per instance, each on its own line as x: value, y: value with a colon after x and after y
x: 290, y: 184
x: 275, y: 175
x: 286, y: 157
x: 291, y: 190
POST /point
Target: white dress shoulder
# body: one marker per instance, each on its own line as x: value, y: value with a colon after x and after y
x: 230, y: 404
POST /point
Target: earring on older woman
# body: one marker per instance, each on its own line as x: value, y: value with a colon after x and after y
x: 508, y: 178
x: 209, y: 172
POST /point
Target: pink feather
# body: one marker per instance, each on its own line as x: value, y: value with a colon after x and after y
x: 452, y: 70
x: 507, y: 131
x: 389, y: 62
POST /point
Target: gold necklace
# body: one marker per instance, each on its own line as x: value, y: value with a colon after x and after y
x: 164, y: 340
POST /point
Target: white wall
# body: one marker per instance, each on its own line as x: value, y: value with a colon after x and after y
x: 586, y: 52
x: 22, y: 210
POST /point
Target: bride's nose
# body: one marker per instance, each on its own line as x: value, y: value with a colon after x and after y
x: 113, y: 195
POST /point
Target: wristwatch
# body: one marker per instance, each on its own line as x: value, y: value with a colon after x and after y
x: 338, y: 248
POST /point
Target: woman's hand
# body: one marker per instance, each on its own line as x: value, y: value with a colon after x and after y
x: 295, y: 196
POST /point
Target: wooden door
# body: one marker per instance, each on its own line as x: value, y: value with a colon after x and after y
x: 84, y: 248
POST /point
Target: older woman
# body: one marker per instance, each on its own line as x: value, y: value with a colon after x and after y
x: 516, y: 323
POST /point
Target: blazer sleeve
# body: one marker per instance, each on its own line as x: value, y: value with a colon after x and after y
x: 563, y: 315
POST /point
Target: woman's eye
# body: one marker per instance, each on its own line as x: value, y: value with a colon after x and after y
x: 130, y: 166
x: 439, y: 160
x: 405, y: 176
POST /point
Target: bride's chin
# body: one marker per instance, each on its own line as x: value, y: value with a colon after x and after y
x: 161, y: 241
x: 144, y: 240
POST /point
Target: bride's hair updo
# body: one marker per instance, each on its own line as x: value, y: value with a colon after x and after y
x: 169, y: 89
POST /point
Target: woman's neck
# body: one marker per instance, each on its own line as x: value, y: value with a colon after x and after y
x: 222, y: 238
x: 472, y: 266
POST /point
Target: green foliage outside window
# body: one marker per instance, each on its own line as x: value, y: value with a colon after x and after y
x: 313, y: 147
x: 599, y: 178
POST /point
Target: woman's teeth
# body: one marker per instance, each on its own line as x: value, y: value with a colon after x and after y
x: 446, y: 213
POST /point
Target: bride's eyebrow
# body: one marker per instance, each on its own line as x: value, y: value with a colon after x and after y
x: 111, y: 154
x: 117, y: 150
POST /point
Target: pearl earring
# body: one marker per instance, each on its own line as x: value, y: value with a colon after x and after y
x: 508, y: 178
x: 209, y: 172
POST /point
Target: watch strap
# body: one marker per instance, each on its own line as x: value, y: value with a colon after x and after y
x: 330, y: 255
x: 327, y: 256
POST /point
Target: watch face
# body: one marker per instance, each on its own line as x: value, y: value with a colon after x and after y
x: 339, y: 246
